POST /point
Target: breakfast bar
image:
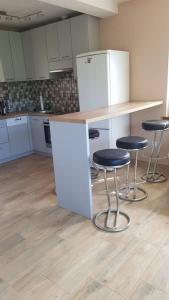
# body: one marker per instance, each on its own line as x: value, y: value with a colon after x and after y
x: 70, y: 146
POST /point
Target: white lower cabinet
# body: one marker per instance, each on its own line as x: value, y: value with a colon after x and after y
x: 22, y: 136
x: 4, y: 142
x: 19, y: 139
x: 4, y: 152
x: 38, y: 134
x: 3, y: 132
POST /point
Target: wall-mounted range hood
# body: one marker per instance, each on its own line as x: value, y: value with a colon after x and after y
x: 60, y: 66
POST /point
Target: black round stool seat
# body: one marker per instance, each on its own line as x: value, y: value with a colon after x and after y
x: 93, y: 133
x: 132, y: 142
x: 153, y: 125
x: 111, y: 157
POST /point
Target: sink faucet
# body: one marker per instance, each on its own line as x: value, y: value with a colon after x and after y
x: 41, y: 103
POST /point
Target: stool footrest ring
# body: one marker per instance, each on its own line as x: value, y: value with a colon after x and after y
x: 157, y: 157
x: 110, y: 214
x: 129, y: 194
x: 154, y: 178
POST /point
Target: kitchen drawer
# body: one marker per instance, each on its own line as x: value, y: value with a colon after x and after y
x: 17, y: 121
x: 4, y: 151
x: 3, y: 132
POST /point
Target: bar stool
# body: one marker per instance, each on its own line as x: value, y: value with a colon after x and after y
x: 159, y: 127
x: 133, y: 144
x: 111, y: 160
x: 93, y: 134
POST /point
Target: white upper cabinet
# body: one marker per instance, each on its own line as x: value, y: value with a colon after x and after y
x: 59, y: 45
x: 85, y: 32
x: 28, y: 55
x: 6, y: 64
x: 12, y: 65
x: 39, y: 47
x: 52, y: 42
x: 79, y: 31
x: 17, y: 56
x: 64, y: 38
x: 31, y: 55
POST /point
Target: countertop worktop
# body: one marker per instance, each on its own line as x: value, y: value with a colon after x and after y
x: 17, y: 114
x: 104, y: 113
x: 93, y: 115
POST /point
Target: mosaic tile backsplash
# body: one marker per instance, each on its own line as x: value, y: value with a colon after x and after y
x: 60, y: 95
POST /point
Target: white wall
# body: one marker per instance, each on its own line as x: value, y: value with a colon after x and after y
x: 142, y: 28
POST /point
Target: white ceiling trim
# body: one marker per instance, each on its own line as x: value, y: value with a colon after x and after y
x: 98, y: 8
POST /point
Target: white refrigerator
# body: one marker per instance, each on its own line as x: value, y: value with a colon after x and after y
x: 103, y: 80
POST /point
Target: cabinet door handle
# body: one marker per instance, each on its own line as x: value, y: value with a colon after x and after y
x: 65, y: 56
x: 53, y: 58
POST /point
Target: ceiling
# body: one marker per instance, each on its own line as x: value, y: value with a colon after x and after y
x: 98, y: 8
x: 25, y: 7
x: 22, y: 8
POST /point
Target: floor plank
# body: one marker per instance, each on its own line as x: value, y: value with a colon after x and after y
x: 49, y: 253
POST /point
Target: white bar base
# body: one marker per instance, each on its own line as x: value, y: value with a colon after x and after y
x: 70, y: 146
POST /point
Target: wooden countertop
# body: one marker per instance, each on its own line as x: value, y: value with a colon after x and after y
x: 104, y: 113
x: 19, y: 114
x: 12, y: 115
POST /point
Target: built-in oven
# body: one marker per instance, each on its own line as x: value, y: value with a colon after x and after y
x: 46, y: 125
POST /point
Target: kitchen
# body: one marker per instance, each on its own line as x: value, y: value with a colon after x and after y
x: 23, y: 87
x: 53, y: 58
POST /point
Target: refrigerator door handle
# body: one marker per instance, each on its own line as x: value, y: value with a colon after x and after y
x: 89, y: 59
x: 100, y: 128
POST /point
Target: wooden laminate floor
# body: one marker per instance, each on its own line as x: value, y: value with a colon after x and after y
x: 48, y: 253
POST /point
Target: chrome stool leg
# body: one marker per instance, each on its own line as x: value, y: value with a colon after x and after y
x: 94, y: 171
x: 131, y: 192
x: 152, y: 175
x: 111, y: 216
